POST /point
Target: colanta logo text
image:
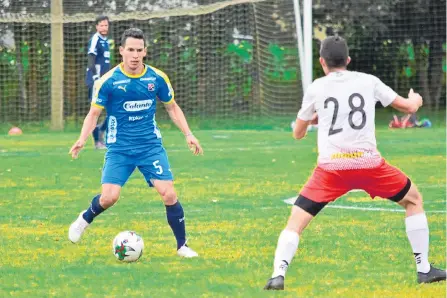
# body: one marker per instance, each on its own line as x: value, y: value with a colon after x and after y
x: 134, y: 106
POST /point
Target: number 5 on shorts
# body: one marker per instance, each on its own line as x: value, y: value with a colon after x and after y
x: 158, y: 167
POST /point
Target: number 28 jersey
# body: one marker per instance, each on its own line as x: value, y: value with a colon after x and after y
x: 345, y: 103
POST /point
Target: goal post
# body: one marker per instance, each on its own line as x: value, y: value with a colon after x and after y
x: 57, y: 65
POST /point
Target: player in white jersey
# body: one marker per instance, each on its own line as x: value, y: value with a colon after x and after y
x: 343, y: 105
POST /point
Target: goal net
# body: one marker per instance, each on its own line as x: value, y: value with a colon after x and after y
x: 225, y: 59
x: 232, y: 59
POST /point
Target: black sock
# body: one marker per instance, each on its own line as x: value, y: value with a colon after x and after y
x: 94, y: 210
x: 176, y: 220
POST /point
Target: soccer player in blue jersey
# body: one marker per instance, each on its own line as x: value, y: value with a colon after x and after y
x: 128, y: 92
x: 98, y: 65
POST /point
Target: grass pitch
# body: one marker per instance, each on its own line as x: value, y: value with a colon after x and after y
x: 233, y: 198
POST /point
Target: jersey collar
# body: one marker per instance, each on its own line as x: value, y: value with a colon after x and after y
x: 131, y: 75
x: 100, y: 36
x: 334, y: 73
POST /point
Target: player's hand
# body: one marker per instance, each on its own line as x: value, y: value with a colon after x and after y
x: 76, y: 148
x: 314, y: 120
x: 95, y: 77
x: 416, y: 97
x: 194, y: 145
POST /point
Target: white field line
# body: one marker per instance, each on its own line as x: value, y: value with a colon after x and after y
x: 289, y: 201
x: 232, y: 149
x: 200, y: 210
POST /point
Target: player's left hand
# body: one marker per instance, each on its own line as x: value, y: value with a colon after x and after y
x: 194, y: 145
x: 76, y: 148
x: 314, y: 120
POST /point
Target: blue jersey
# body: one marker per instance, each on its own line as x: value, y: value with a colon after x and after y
x: 130, y: 102
x: 99, y: 46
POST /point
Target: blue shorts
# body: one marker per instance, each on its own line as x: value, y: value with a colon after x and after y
x: 153, y: 164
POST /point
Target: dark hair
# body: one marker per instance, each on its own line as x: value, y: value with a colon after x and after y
x: 101, y: 18
x: 131, y: 32
x: 334, y: 50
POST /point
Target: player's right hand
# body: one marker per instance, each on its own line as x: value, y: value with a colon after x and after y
x: 416, y: 97
x: 194, y: 145
x: 76, y: 148
x: 314, y: 120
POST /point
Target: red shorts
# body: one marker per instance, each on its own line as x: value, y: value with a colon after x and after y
x: 384, y: 181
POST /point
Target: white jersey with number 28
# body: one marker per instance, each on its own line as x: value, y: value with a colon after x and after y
x: 345, y: 103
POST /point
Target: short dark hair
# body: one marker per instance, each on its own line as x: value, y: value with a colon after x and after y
x: 131, y: 32
x: 334, y: 50
x: 101, y: 18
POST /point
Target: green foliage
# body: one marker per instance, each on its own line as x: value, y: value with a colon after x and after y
x: 239, y: 55
x: 243, y: 50
x: 279, y: 63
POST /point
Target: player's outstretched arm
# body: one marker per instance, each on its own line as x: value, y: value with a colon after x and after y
x: 300, y: 128
x: 408, y: 105
x: 89, y: 125
x: 179, y: 119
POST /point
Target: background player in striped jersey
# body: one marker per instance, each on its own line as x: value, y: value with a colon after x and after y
x: 343, y: 103
x: 98, y: 56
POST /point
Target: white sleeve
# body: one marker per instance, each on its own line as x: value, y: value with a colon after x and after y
x: 308, y: 106
x: 92, y: 45
x: 383, y: 93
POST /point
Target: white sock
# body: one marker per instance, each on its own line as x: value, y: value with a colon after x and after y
x: 417, y: 232
x: 285, y: 250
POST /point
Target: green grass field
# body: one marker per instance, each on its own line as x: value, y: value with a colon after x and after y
x: 234, y: 203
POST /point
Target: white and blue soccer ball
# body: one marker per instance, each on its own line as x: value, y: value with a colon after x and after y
x: 128, y: 246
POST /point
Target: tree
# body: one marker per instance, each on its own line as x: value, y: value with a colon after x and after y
x: 377, y: 31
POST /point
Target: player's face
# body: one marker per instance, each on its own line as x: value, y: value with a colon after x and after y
x: 133, y: 53
x: 103, y: 27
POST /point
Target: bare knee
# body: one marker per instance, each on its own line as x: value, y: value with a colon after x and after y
x: 170, y: 197
x: 168, y: 194
x: 109, y: 196
x: 298, y: 220
x: 412, y: 201
x: 415, y: 200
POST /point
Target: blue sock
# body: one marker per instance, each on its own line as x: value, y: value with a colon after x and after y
x: 176, y: 220
x: 94, y: 210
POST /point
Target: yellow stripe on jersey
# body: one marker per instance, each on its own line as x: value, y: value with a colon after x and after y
x: 131, y: 75
x: 169, y: 102
x: 96, y: 105
x: 98, y: 84
x: 165, y: 77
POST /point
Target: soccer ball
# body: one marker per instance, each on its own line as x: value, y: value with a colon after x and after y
x: 128, y: 246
